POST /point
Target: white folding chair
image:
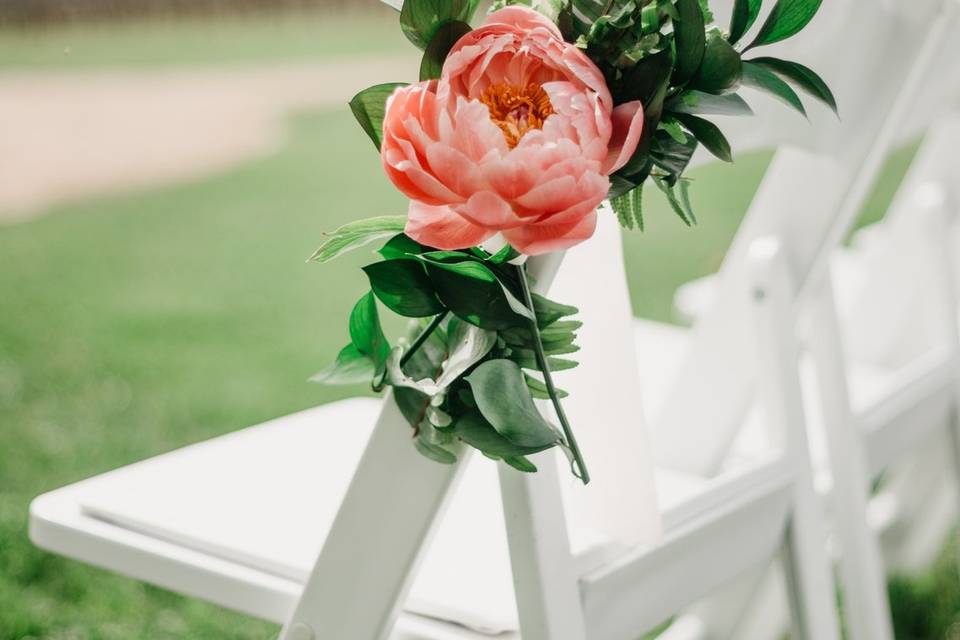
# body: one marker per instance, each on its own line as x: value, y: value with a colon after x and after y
x: 809, y: 201
x: 329, y: 522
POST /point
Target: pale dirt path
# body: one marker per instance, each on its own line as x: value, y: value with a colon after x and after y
x: 66, y: 136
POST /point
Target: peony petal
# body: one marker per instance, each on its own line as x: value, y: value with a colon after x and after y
x: 627, y: 127
x: 522, y: 19
x: 487, y: 209
x: 536, y: 239
x: 442, y: 228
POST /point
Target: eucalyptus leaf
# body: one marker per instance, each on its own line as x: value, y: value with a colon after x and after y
x: 436, y: 52
x: 403, y: 286
x: 504, y: 400
x: 690, y: 40
x: 369, y: 107
x: 356, y: 234
x: 350, y: 367
x: 709, y: 136
x: 803, y: 77
x: 745, y: 13
x: 759, y: 77
x: 787, y: 18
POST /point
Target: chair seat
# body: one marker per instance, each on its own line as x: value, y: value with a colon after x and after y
x: 239, y: 520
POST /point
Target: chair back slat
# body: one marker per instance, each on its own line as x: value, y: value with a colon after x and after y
x: 809, y: 198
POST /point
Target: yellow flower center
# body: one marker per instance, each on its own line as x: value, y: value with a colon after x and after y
x: 517, y: 110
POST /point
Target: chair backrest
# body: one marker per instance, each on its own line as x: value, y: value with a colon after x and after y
x: 809, y: 197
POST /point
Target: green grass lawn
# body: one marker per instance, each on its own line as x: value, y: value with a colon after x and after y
x: 215, y: 39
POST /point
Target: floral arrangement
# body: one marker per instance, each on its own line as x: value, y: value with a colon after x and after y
x: 515, y: 134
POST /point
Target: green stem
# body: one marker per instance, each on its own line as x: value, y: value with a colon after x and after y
x: 548, y: 379
x: 430, y: 328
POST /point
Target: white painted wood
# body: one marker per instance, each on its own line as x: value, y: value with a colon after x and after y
x: 808, y: 566
x: 861, y: 566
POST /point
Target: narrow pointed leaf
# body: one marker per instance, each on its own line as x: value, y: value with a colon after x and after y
x: 708, y: 134
x: 761, y: 78
x: 698, y: 102
x: 745, y: 13
x: 690, y: 40
x: 356, y: 234
x: 787, y: 19
x: 369, y: 107
x: 803, y: 77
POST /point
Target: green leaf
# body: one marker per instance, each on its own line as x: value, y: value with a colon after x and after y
x: 646, y: 78
x: 504, y: 400
x: 690, y: 40
x: 369, y: 107
x: 484, y: 304
x: 469, y: 268
x: 709, y: 135
x: 745, y: 13
x: 521, y: 464
x: 403, y: 286
x: 506, y: 254
x: 699, y: 102
x: 670, y: 155
x: 759, y: 77
x: 549, y: 311
x: 356, y: 234
x: 721, y: 68
x: 436, y: 52
x: 366, y: 333
x: 525, y: 360
x: 803, y: 77
x: 401, y: 246
x: 433, y: 451
x: 420, y: 20
x: 412, y: 404
x: 351, y: 367
x: 788, y: 18
x: 539, y: 390
x: 680, y: 207
x: 473, y: 429
x: 629, y: 208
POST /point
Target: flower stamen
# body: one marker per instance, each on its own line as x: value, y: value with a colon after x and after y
x: 517, y: 110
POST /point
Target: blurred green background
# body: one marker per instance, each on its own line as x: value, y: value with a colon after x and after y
x: 139, y: 322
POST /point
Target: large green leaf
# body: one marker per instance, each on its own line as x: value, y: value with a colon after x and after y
x: 720, y: 71
x: 759, y: 77
x: 403, y: 286
x: 504, y: 400
x: 366, y: 333
x: 788, y: 18
x: 350, y: 367
x: 356, y: 234
x: 698, y: 102
x: 745, y: 13
x: 708, y: 134
x: 421, y: 19
x: 473, y: 429
x: 436, y: 52
x: 690, y: 40
x: 803, y: 77
x: 484, y: 304
x: 369, y: 107
x: 401, y: 246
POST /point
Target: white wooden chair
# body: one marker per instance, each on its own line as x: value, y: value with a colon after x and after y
x: 810, y: 201
x: 329, y: 522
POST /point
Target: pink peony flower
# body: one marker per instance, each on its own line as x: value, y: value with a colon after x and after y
x: 518, y: 137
